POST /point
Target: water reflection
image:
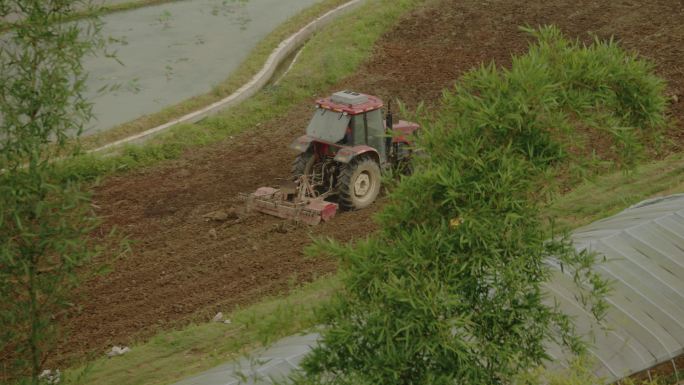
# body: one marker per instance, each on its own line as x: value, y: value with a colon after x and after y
x: 174, y: 51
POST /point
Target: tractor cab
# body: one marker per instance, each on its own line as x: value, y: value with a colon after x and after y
x: 350, y: 119
x: 348, y: 131
x: 348, y: 124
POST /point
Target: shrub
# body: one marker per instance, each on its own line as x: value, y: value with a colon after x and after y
x: 450, y: 289
x: 556, y: 87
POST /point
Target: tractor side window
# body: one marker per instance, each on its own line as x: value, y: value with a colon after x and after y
x: 357, y: 130
x: 376, y: 132
x: 348, y: 136
x: 375, y: 123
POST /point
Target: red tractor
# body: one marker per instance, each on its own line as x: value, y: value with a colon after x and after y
x: 348, y: 144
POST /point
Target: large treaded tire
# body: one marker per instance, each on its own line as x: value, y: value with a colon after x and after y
x: 358, y: 183
x: 302, y: 164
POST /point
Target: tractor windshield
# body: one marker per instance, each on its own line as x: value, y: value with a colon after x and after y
x: 327, y: 125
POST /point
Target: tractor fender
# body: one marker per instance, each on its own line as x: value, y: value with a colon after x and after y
x: 302, y: 143
x: 403, y: 131
x: 346, y: 154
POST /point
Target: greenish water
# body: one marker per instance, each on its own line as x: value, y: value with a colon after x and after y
x: 175, y: 51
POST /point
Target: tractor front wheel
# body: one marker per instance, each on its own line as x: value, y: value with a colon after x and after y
x: 358, y: 183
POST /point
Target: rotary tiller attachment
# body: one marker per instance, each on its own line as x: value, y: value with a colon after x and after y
x: 297, y: 201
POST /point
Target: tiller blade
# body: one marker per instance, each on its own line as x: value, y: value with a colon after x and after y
x: 295, y: 201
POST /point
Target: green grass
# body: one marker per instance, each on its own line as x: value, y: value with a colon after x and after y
x: 127, y: 6
x: 580, y: 373
x: 609, y: 194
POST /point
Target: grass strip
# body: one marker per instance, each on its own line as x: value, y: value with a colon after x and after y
x: 609, y: 194
x: 127, y: 6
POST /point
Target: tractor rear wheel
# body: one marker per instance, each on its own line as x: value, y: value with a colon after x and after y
x: 302, y: 165
x: 358, y: 183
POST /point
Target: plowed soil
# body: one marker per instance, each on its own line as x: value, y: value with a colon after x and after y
x: 184, y: 267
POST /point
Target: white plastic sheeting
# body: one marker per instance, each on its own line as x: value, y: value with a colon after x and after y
x: 272, y: 365
x: 644, y: 251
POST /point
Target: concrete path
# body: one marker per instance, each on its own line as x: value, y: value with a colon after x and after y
x: 263, y: 368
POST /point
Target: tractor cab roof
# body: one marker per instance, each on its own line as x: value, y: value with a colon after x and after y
x: 352, y: 103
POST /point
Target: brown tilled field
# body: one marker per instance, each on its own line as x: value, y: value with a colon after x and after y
x: 184, y: 267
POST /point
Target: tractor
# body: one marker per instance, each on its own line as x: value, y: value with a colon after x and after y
x: 348, y: 145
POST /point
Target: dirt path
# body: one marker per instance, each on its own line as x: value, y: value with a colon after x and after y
x: 181, y: 269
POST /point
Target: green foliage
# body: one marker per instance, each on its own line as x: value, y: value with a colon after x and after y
x: 557, y: 87
x: 450, y: 291
x: 44, y: 225
x: 45, y: 220
x: 602, y: 77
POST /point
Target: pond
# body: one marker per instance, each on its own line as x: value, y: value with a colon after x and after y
x: 175, y: 51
